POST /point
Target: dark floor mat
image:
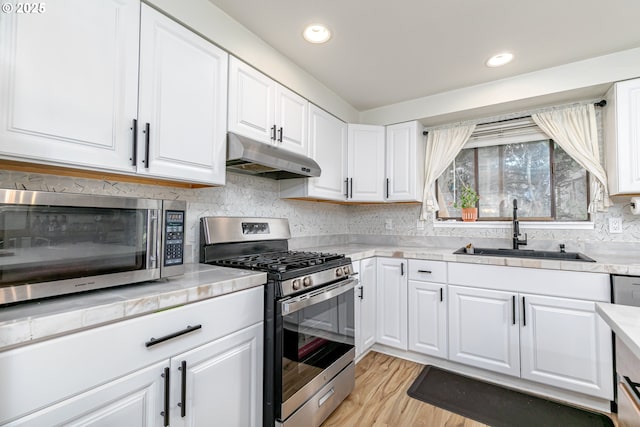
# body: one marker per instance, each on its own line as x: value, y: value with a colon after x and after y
x: 497, y: 406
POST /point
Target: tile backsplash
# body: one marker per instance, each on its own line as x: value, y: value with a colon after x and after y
x: 318, y: 224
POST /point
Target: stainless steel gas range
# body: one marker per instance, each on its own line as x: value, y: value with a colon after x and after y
x: 309, y: 316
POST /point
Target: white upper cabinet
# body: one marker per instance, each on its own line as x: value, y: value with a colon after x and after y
x: 69, y: 84
x: 183, y: 97
x: 292, y: 120
x: 404, y: 154
x: 261, y: 109
x: 622, y: 137
x: 366, y: 163
x: 328, y: 147
x: 72, y: 98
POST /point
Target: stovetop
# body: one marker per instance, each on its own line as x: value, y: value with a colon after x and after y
x: 283, y: 261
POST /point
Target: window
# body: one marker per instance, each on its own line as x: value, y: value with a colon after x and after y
x: 548, y: 184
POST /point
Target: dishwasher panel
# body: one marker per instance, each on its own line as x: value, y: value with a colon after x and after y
x: 626, y: 290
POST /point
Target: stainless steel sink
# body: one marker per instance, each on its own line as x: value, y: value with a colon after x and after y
x: 527, y: 253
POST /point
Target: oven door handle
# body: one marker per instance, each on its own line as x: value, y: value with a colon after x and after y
x: 294, y: 304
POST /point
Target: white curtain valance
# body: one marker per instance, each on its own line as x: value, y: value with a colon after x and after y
x: 443, y: 145
x: 575, y: 130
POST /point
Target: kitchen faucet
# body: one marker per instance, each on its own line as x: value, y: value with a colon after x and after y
x: 516, y: 228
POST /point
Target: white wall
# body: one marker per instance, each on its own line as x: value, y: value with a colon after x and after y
x: 557, y: 85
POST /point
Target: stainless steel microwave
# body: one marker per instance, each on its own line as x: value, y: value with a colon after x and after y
x: 60, y: 243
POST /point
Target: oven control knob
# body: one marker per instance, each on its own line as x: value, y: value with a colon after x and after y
x: 306, y: 281
x: 339, y: 272
x: 296, y: 284
x: 346, y: 270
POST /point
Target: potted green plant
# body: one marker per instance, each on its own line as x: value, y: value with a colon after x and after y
x: 468, y: 200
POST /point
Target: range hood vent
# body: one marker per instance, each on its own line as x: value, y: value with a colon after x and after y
x: 247, y: 156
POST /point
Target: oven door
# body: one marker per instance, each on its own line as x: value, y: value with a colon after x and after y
x: 315, y: 341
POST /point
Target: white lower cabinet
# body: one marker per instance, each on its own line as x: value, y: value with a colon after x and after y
x: 111, y: 376
x: 483, y: 329
x: 427, y: 318
x: 365, y: 305
x: 560, y: 344
x: 135, y: 400
x: 556, y: 339
x: 391, y: 302
x: 428, y: 307
x: 219, y: 383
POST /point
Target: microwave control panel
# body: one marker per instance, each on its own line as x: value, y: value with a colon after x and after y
x: 174, y: 237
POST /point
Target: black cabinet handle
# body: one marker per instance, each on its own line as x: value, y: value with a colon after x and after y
x: 280, y: 132
x: 424, y: 271
x: 524, y: 313
x: 273, y: 132
x: 146, y: 145
x: 361, y: 296
x: 167, y: 390
x: 346, y: 189
x: 134, y: 158
x: 513, y: 308
x: 183, y: 389
x: 387, y: 188
x: 402, y: 268
x: 154, y: 341
x: 441, y: 299
x: 351, y: 188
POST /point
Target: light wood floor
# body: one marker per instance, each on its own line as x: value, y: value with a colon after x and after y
x: 380, y: 399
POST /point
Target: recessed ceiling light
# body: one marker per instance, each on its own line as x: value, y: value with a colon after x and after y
x: 499, y: 59
x: 316, y: 33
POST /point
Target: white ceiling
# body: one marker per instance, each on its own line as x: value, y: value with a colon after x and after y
x: 385, y: 51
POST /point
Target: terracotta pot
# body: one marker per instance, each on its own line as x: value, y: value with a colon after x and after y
x: 469, y: 214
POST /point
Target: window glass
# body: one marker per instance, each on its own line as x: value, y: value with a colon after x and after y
x: 548, y: 183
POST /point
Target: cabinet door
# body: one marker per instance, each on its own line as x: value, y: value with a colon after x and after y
x: 222, y: 384
x: 623, y: 138
x: 251, y: 102
x: 134, y: 400
x: 483, y: 329
x: 404, y: 162
x: 328, y: 147
x: 365, y: 305
x: 183, y: 99
x: 427, y: 318
x: 292, y: 118
x: 392, y: 302
x: 366, y: 163
x: 69, y: 84
x: 566, y: 344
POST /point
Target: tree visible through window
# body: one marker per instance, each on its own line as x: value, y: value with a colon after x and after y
x: 548, y: 183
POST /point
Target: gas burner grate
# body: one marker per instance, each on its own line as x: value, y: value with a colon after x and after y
x: 280, y: 262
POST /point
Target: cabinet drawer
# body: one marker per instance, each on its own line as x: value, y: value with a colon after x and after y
x: 55, y: 369
x: 428, y: 271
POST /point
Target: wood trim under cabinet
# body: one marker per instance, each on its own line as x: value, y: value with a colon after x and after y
x: 82, y: 173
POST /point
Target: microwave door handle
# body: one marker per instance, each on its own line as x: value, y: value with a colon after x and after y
x: 295, y: 304
x: 152, y: 241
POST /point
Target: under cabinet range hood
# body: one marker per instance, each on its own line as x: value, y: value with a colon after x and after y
x: 245, y: 155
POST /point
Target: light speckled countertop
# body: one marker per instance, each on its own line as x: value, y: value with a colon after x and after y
x: 624, y: 320
x: 26, y: 322
x: 627, y: 264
